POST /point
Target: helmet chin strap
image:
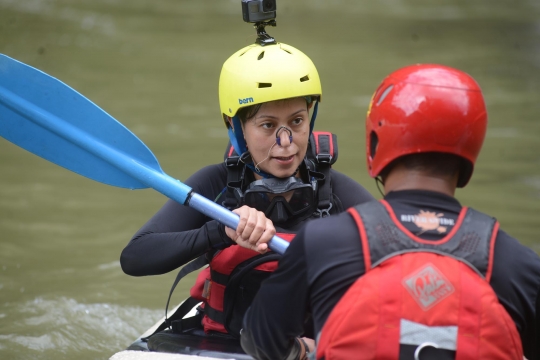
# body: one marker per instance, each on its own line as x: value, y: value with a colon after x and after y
x: 313, y: 117
x: 379, y: 182
x: 237, y: 137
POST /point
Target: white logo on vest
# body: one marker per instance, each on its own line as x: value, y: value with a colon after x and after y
x: 428, y: 286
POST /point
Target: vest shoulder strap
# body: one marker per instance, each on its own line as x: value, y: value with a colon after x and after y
x: 321, y: 155
x: 323, y: 149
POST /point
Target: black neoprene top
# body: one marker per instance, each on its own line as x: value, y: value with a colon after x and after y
x: 177, y: 234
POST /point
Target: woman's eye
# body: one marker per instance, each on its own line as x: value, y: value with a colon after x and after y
x: 297, y: 121
x: 267, y: 125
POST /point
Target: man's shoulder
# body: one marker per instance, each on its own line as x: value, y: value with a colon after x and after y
x: 512, y: 250
x: 516, y: 268
x: 337, y: 227
x: 331, y: 243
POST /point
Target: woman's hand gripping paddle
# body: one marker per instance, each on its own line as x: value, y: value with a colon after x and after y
x: 48, y: 118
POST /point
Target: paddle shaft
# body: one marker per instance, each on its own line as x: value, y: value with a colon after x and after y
x: 163, y: 183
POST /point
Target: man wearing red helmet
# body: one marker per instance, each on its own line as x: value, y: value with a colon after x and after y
x: 416, y: 275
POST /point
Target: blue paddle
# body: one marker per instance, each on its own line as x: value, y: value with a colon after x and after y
x: 48, y: 118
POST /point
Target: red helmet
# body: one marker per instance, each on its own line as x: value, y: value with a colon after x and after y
x: 426, y: 108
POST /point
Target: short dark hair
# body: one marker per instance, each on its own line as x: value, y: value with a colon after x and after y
x: 433, y: 163
x: 248, y: 112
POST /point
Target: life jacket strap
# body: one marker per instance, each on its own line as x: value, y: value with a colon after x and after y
x: 216, y: 315
x: 189, y: 268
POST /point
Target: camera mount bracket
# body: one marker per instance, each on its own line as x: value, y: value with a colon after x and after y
x: 262, y: 36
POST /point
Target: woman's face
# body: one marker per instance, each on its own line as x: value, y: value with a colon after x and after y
x: 260, y: 135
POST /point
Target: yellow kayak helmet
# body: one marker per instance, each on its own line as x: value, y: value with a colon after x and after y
x: 257, y: 74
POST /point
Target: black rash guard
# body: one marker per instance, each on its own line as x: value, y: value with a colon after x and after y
x: 177, y: 234
x: 326, y: 258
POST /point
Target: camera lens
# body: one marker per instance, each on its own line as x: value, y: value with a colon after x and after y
x: 269, y: 5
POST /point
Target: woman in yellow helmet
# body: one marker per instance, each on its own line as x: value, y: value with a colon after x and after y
x: 276, y: 176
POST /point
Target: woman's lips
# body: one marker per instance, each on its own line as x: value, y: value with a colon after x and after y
x: 284, y: 159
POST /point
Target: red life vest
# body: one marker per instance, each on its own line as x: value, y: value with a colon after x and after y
x: 421, y: 299
x: 212, y: 284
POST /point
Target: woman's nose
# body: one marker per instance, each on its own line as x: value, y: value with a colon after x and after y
x: 284, y: 136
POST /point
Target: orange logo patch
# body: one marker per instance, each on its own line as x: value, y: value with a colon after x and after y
x: 429, y: 220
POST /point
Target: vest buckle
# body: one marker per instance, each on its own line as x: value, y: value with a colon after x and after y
x: 322, y: 213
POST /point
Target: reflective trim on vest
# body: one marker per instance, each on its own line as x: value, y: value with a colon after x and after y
x: 443, y: 337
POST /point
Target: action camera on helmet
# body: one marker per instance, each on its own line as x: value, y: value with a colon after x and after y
x: 258, y: 10
x: 261, y: 13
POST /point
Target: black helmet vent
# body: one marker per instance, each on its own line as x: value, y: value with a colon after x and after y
x: 373, y: 143
x: 261, y: 55
x: 265, y: 85
x: 304, y: 78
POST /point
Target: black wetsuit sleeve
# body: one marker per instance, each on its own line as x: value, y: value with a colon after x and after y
x: 334, y: 258
x: 516, y: 280
x: 177, y: 234
x: 348, y: 191
x: 273, y: 321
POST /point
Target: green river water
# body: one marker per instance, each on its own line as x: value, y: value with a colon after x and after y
x: 154, y: 66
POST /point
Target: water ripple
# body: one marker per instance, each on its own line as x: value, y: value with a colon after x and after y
x: 68, y: 327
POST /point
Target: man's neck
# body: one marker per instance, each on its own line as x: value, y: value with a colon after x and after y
x: 400, y: 178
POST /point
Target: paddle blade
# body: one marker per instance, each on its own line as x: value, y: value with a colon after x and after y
x: 50, y: 119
